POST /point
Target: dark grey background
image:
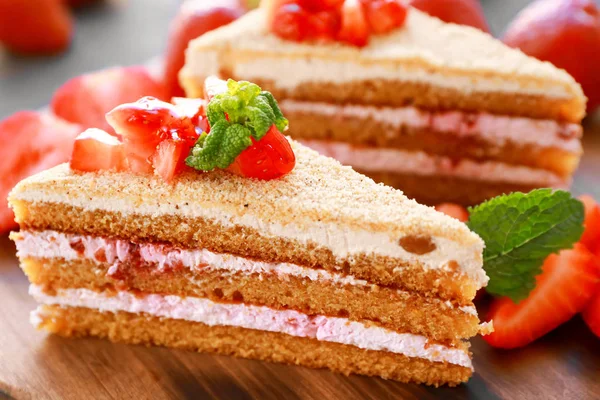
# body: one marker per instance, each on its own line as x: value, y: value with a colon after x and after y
x: 125, y: 32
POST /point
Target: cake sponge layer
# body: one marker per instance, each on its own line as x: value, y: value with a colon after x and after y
x: 389, y: 308
x: 246, y: 343
x: 552, y: 147
x: 197, y: 233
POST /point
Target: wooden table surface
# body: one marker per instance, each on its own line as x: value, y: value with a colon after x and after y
x: 563, y: 365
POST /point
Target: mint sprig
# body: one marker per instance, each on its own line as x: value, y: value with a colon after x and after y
x: 242, y: 112
x: 520, y: 231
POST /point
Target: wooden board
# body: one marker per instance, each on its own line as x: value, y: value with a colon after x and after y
x: 563, y: 365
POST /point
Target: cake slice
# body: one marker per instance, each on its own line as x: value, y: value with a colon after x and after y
x: 319, y: 266
x: 443, y: 112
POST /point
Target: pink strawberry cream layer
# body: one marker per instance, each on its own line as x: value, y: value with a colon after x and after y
x: 370, y: 159
x: 496, y: 129
x: 52, y: 244
x: 328, y: 329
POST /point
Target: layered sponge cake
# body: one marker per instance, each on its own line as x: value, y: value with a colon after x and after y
x: 441, y: 111
x: 321, y: 268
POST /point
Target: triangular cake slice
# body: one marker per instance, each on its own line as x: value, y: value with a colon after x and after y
x: 323, y: 267
x: 426, y: 63
x: 443, y: 112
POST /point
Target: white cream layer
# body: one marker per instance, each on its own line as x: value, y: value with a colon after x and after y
x: 343, y: 243
x: 53, y: 244
x: 289, y: 73
x: 328, y: 329
x: 496, y: 129
x: 421, y: 163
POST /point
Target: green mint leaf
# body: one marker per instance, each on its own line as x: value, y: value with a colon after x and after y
x: 219, y: 148
x: 280, y: 122
x: 520, y: 231
x: 242, y: 112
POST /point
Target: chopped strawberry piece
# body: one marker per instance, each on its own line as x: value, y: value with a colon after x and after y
x: 591, y: 314
x: 320, y: 5
x: 96, y: 150
x: 194, y: 109
x: 324, y: 25
x: 194, y: 19
x: 454, y: 210
x: 270, y: 8
x: 169, y: 158
x: 292, y: 22
x: 31, y: 142
x: 144, y: 124
x: 86, y: 99
x: 591, y: 235
x: 269, y: 158
x: 355, y: 29
x: 567, y: 283
x: 565, y: 33
x: 462, y: 12
x: 214, y: 86
x: 35, y: 27
x: 384, y: 15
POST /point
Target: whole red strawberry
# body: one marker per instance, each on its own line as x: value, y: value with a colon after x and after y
x: 31, y: 142
x: 194, y: 19
x: 565, y: 33
x: 87, y: 98
x: 35, y: 27
x: 462, y: 12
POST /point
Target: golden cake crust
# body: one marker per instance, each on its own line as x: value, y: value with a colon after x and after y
x: 247, y: 343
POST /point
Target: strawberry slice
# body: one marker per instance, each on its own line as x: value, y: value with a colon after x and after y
x: 96, y: 150
x: 35, y: 27
x: 355, y: 29
x: 567, y: 283
x: 591, y: 235
x: 268, y: 158
x: 454, y: 210
x: 591, y: 314
x: 31, y: 142
x: 169, y: 158
x: 86, y: 99
x: 462, y: 12
x: 384, y: 16
x: 194, y: 19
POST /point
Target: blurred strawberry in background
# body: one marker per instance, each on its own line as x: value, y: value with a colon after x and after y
x: 462, y: 12
x: 195, y: 18
x: 35, y: 27
x: 31, y: 142
x: 86, y: 99
x: 566, y: 33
